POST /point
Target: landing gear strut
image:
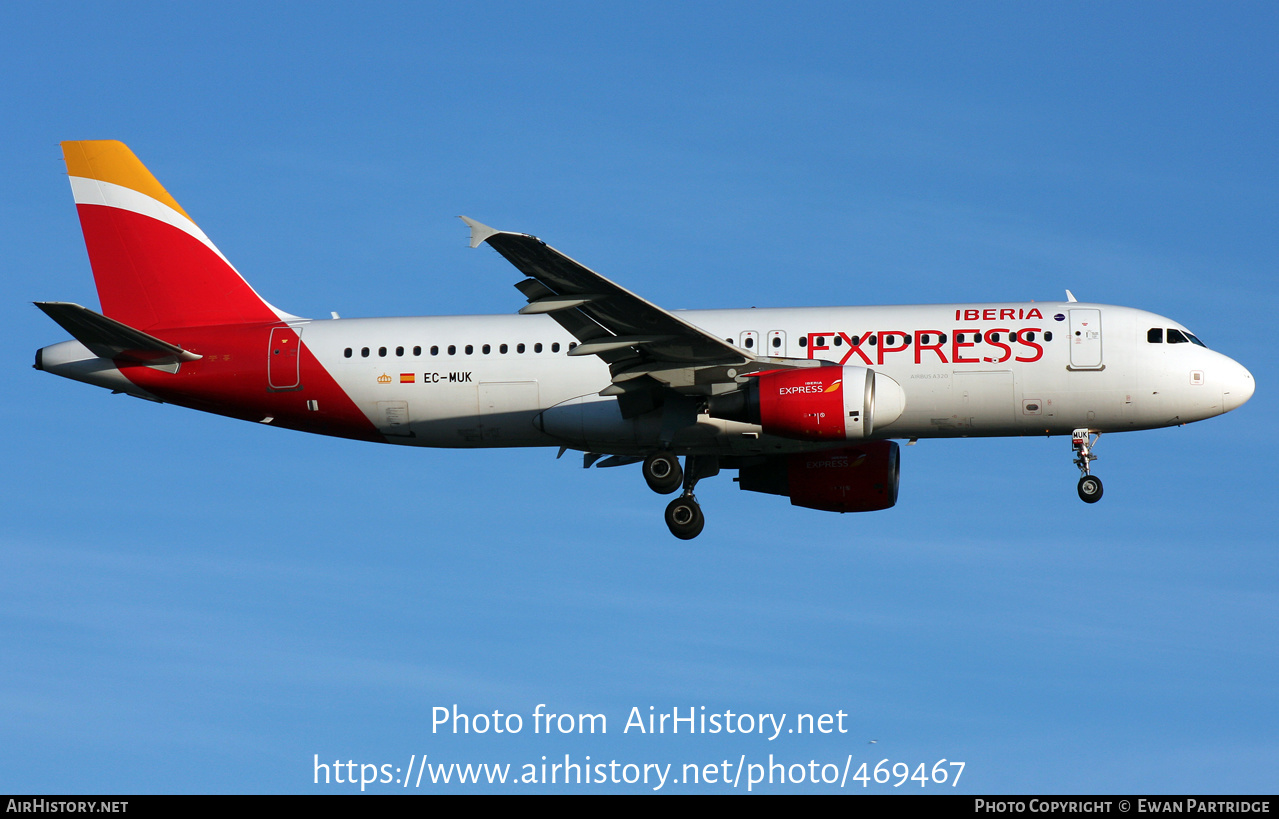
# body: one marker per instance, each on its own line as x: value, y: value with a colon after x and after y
x: 684, y: 515
x: 1082, y: 441
x: 662, y: 472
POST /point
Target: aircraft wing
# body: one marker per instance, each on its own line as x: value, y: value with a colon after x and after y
x: 639, y: 340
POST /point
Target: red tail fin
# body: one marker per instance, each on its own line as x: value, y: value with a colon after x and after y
x: 153, y: 266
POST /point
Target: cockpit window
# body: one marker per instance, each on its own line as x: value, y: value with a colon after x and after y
x: 1195, y: 340
x: 1175, y: 336
x: 1155, y: 335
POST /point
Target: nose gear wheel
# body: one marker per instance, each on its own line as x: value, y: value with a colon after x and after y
x: 1090, y: 489
x: 1082, y: 441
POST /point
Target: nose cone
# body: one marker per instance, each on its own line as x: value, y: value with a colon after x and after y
x: 1238, y: 388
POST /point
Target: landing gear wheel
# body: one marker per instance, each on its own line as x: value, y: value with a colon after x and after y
x: 1090, y: 489
x: 1082, y: 441
x: 662, y: 473
x: 684, y: 517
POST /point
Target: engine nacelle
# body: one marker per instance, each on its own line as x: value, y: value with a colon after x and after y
x: 860, y: 478
x: 815, y: 404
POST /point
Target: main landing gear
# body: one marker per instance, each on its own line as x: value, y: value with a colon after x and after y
x: 662, y: 473
x: 684, y: 517
x: 1082, y: 441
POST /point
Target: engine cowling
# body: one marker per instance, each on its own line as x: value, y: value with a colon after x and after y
x: 815, y: 404
x: 862, y: 478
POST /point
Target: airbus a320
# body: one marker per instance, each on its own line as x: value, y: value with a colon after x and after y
x: 805, y: 403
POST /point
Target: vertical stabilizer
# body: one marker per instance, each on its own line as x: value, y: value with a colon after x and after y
x: 153, y: 266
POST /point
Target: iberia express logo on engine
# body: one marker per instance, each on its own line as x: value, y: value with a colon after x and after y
x: 811, y: 388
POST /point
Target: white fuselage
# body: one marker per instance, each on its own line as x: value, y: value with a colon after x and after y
x: 462, y: 381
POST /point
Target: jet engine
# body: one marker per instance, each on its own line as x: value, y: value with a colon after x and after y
x: 860, y: 478
x: 818, y: 404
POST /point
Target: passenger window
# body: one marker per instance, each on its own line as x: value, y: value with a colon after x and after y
x: 519, y: 348
x: 777, y: 341
x: 1048, y: 335
x: 803, y: 341
x: 1175, y: 337
x: 452, y: 349
x: 750, y: 342
x: 417, y: 351
x: 537, y: 348
x: 347, y: 352
x: 470, y: 349
x: 1030, y: 336
x: 364, y: 352
x: 1155, y: 335
x: 503, y: 349
x: 923, y: 339
x: 486, y: 349
x: 435, y: 349
x: 381, y: 351
x: 571, y: 345
x: 555, y: 347
x: 839, y: 342
x: 399, y: 351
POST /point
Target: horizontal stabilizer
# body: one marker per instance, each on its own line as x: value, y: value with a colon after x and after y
x: 108, y: 338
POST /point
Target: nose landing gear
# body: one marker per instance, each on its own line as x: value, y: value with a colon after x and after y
x: 1082, y: 441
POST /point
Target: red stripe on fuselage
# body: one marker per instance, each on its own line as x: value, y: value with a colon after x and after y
x: 152, y: 275
x: 231, y: 379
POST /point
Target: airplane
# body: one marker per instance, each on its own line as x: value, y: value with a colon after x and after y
x: 805, y: 403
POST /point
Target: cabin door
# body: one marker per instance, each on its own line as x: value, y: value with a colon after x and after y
x: 283, y: 370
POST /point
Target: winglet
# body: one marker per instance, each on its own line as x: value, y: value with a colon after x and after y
x: 479, y: 231
x: 1070, y: 297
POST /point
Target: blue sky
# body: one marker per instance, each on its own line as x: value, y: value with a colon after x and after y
x: 192, y: 604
